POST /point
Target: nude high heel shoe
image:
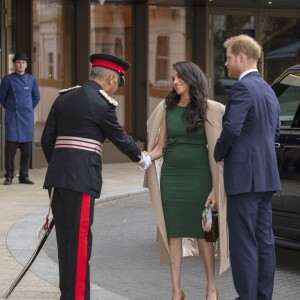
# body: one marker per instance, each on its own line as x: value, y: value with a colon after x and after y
x: 181, y: 296
x: 217, y: 294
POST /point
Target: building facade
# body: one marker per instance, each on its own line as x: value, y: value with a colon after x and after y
x: 59, y: 35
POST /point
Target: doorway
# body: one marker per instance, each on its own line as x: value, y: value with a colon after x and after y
x: 8, y: 42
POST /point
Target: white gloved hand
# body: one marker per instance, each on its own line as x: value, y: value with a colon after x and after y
x: 145, y: 161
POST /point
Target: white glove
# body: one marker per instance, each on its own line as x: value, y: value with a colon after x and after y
x: 145, y: 161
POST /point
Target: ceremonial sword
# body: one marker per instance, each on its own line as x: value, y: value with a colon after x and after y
x: 47, y: 228
x: 31, y: 260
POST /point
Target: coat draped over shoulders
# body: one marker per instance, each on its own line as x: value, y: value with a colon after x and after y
x: 213, y: 128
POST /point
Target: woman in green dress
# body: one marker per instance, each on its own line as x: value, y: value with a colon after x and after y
x: 186, y: 181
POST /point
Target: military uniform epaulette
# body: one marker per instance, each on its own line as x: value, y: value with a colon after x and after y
x: 108, y: 98
x: 69, y: 89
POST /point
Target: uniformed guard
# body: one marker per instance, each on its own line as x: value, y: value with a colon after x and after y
x: 79, y: 122
x: 19, y: 95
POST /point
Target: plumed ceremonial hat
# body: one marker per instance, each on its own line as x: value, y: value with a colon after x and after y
x: 20, y: 56
x: 110, y: 62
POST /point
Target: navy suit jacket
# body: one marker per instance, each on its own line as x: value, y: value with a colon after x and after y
x: 247, y: 141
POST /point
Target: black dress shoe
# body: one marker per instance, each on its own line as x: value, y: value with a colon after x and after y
x: 8, y: 181
x: 25, y: 180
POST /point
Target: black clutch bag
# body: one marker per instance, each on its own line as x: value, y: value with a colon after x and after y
x: 210, y: 224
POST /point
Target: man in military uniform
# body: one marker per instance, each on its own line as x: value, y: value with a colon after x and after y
x: 79, y: 121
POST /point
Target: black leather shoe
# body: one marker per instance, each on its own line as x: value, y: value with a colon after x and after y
x: 25, y: 180
x: 8, y: 181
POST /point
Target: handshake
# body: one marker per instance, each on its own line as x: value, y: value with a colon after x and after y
x: 145, y: 161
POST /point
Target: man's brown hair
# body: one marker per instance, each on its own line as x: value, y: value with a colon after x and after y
x: 244, y: 44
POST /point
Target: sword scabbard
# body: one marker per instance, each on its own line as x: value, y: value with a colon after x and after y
x: 31, y: 260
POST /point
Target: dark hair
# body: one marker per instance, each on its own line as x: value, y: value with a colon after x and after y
x: 195, y: 113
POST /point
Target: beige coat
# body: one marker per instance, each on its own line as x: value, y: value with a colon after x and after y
x: 213, y: 129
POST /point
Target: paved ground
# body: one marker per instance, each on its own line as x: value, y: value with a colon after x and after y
x: 125, y: 258
x: 125, y: 263
x: 23, y: 210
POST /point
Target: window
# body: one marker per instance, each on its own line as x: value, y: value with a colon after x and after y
x: 118, y: 47
x: 50, y: 64
x: 288, y: 93
x: 162, y: 60
x: 225, y: 26
x: 281, y: 45
x: 110, y: 33
x: 167, y: 45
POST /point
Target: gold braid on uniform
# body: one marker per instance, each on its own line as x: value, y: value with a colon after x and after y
x: 69, y: 89
x: 108, y: 98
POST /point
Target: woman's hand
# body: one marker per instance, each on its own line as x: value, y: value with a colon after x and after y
x: 211, y: 199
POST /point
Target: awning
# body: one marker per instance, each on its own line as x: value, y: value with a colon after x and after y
x: 283, y: 52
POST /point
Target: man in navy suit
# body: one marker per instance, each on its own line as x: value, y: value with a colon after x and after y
x: 246, y: 147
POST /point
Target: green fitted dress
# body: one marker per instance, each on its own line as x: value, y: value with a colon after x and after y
x: 185, y: 177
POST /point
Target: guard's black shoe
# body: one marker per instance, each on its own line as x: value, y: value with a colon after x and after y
x: 25, y: 180
x: 8, y: 181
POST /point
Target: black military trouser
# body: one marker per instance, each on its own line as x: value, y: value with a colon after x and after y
x: 10, y: 153
x: 73, y: 214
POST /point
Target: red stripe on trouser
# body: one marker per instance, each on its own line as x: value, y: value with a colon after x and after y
x: 82, y: 254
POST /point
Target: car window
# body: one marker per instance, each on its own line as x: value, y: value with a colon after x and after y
x: 288, y: 93
x: 296, y: 121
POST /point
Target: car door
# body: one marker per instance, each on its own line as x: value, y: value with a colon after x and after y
x: 286, y: 207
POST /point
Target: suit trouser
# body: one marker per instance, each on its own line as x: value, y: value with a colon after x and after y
x: 10, y: 153
x: 73, y: 217
x: 251, y: 243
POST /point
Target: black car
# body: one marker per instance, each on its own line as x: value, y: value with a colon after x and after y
x: 286, y: 204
